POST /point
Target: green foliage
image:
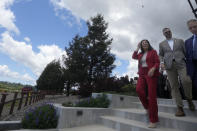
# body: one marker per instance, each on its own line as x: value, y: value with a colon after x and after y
x: 114, y: 84
x: 100, y: 102
x: 69, y: 82
x: 128, y: 88
x: 100, y: 59
x: 76, y: 60
x: 85, y: 90
x: 89, y: 58
x: 42, y: 117
x: 68, y: 104
x: 11, y: 87
x: 51, y: 78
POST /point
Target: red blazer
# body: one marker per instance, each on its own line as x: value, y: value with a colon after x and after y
x: 152, y: 60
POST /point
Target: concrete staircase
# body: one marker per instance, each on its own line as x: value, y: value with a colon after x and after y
x: 135, y: 119
x: 125, y: 114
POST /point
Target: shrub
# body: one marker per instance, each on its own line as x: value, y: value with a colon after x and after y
x: 68, y: 104
x: 85, y: 90
x: 42, y: 117
x: 100, y: 102
x: 129, y: 90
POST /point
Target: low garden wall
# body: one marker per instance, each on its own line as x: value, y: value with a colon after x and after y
x: 78, y: 116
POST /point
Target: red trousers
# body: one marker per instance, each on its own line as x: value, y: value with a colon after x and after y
x: 150, y: 102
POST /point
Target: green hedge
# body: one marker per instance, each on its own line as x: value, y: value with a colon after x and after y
x: 100, y: 102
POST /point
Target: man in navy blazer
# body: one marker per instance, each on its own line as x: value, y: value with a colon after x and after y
x: 191, y: 54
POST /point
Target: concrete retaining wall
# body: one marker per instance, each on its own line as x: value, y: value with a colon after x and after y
x: 76, y: 116
x: 10, y: 125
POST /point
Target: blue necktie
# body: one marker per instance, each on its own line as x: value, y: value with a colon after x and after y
x: 195, y: 48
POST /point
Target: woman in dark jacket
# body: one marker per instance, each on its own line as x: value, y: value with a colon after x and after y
x: 148, y: 70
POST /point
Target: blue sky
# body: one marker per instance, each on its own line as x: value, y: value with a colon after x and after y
x: 36, y: 21
x: 34, y: 32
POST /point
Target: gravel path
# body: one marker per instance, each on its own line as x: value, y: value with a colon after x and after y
x: 10, y: 96
x: 18, y: 115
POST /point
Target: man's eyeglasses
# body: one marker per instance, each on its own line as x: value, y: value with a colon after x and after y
x: 166, y: 31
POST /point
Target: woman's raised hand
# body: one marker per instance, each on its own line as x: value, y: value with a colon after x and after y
x: 138, y: 46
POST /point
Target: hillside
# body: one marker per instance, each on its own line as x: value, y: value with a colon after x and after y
x: 7, y: 86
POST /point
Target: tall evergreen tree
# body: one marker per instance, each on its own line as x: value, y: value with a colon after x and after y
x: 51, y: 78
x: 77, y: 64
x: 69, y: 80
x: 100, y: 59
x: 89, y: 58
x: 77, y: 60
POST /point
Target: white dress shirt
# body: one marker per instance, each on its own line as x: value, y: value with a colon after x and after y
x: 143, y: 60
x: 171, y: 43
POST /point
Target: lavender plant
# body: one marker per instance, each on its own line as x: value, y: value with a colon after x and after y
x: 42, y: 117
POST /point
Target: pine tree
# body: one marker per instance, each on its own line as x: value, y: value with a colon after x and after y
x: 76, y: 61
x: 100, y: 59
x: 51, y: 78
x: 89, y: 58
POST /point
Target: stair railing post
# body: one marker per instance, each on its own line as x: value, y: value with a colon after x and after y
x: 21, y: 101
x: 13, y: 102
x: 2, y: 102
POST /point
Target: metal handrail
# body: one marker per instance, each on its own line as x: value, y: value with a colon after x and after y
x: 193, y: 10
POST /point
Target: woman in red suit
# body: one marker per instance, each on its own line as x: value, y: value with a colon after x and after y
x: 148, y: 70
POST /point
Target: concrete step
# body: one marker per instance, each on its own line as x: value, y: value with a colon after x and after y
x: 167, y: 108
x: 8, y: 125
x: 121, y: 124
x: 89, y: 128
x: 166, y: 119
x: 159, y: 100
x: 123, y: 101
x: 35, y: 130
x: 172, y: 102
x: 80, y: 128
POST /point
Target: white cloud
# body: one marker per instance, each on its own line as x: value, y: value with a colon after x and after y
x: 22, y: 53
x: 129, y: 22
x: 132, y: 68
x: 6, y: 72
x: 7, y: 17
x: 27, y: 39
x: 125, y: 55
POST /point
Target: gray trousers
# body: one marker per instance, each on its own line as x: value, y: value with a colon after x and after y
x: 186, y: 82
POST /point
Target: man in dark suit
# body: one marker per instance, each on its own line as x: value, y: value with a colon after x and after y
x: 191, y: 54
